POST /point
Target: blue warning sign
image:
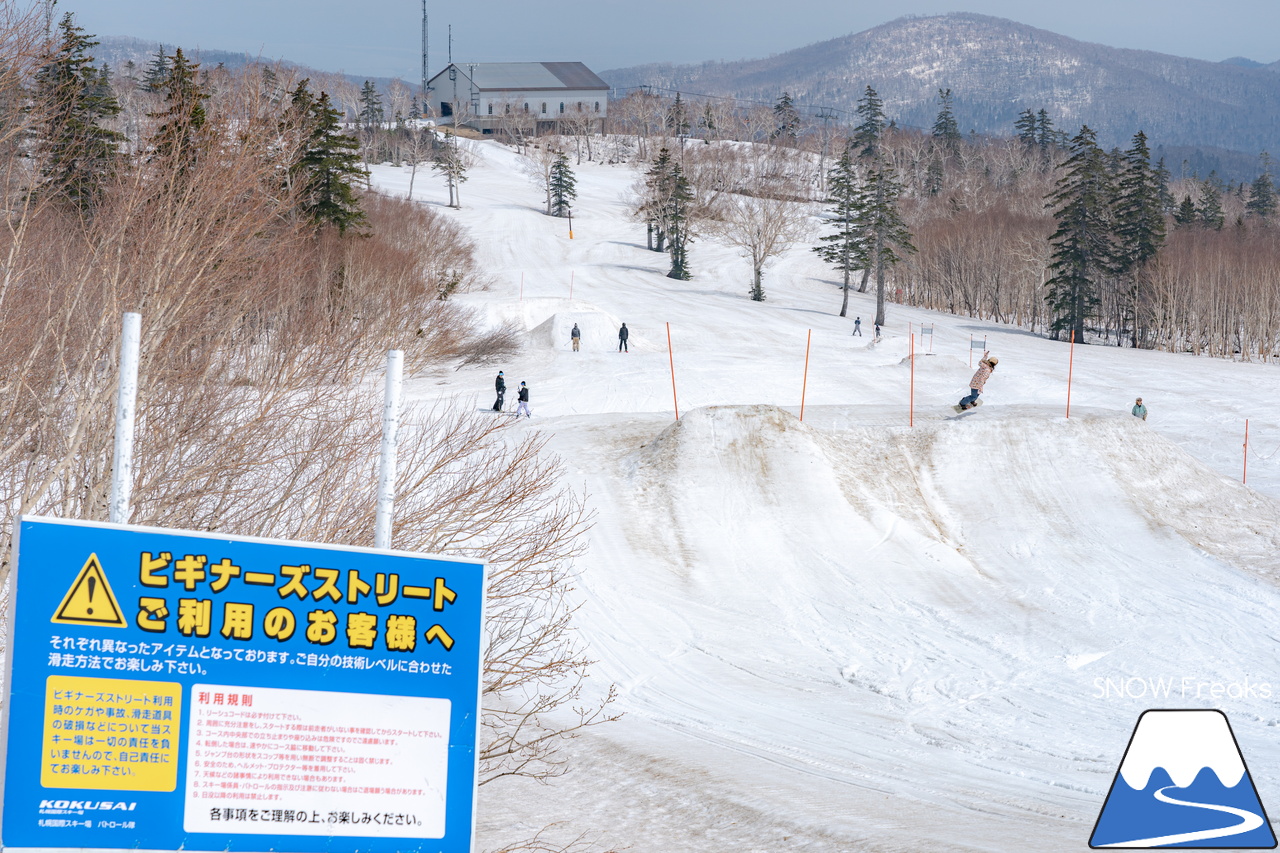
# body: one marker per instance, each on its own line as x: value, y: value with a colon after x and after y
x: 174, y: 690
x: 1183, y: 783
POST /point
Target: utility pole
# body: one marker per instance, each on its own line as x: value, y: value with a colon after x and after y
x: 425, y: 98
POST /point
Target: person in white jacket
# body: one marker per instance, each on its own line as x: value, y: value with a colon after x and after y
x: 985, y: 367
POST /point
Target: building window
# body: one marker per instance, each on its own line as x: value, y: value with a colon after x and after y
x: 562, y: 108
x: 544, y: 107
x: 506, y: 110
x: 491, y: 109
x: 597, y: 106
x: 526, y: 108
x: 578, y: 106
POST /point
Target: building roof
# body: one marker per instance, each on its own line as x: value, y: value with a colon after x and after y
x: 520, y: 76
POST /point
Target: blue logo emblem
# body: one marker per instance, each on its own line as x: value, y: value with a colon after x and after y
x: 1183, y: 783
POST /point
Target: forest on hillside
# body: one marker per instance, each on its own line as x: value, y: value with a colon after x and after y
x: 1186, y: 264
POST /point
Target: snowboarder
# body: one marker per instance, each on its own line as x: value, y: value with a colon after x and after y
x: 575, y: 336
x: 857, y: 326
x: 499, y: 385
x: 523, y: 396
x: 1139, y: 410
x: 979, y: 379
x: 623, y: 334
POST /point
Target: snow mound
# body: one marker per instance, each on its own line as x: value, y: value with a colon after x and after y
x: 599, y: 329
x: 954, y: 588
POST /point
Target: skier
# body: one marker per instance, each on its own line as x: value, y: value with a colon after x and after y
x: 524, y: 401
x: 499, y: 385
x: 857, y: 326
x: 575, y: 336
x: 979, y: 379
x: 623, y: 334
x: 1139, y: 410
x: 877, y: 331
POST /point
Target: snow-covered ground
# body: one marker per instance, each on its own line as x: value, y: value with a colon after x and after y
x: 855, y: 633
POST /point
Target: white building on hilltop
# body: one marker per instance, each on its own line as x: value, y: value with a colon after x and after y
x: 537, y: 97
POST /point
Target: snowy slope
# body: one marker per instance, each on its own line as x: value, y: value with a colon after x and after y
x: 877, y: 629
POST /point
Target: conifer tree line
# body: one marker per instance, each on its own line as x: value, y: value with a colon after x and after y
x: 1042, y: 228
x: 230, y: 210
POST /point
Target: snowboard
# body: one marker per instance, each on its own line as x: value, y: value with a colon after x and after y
x: 975, y: 405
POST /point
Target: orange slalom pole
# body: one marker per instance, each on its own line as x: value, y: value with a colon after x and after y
x: 1071, y: 361
x: 1244, y: 478
x: 672, y: 359
x: 911, y: 397
x: 804, y: 385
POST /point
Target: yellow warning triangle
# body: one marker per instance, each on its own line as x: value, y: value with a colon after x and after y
x: 90, y: 600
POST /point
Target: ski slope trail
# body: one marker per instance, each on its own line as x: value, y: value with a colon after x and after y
x: 884, y: 628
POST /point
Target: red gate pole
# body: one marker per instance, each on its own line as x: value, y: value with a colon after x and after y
x: 570, y: 285
x: 804, y: 386
x: 1071, y: 361
x: 971, y: 350
x: 911, y: 405
x: 1244, y: 478
x: 672, y: 359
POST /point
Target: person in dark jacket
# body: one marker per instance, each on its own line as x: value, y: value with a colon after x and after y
x: 523, y: 396
x: 499, y: 385
x: 575, y: 336
x: 623, y: 334
x: 857, y: 326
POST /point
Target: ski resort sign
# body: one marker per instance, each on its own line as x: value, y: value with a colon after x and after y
x: 175, y: 690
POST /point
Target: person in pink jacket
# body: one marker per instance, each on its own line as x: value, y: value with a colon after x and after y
x: 979, y: 379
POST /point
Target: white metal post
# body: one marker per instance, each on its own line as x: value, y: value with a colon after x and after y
x: 126, y: 408
x: 387, y: 465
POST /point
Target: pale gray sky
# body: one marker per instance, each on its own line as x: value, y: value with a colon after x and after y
x: 383, y: 37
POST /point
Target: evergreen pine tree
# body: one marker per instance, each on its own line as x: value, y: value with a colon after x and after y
x: 786, y: 119
x: 1209, y: 206
x: 678, y: 226
x: 656, y: 202
x: 1186, y: 214
x: 846, y: 247
x: 371, y: 112
x: 946, y: 131
x: 1262, y: 192
x: 157, y: 72
x: 1082, y: 249
x: 934, y: 176
x: 563, y: 185
x: 1140, y: 231
x: 677, y: 118
x: 183, y: 117
x: 866, y: 136
x: 886, y: 234
x: 1046, y: 136
x: 78, y: 153
x: 1027, y: 128
x: 328, y: 166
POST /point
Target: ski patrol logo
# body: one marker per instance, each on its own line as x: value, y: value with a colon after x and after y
x: 90, y: 600
x: 1183, y: 783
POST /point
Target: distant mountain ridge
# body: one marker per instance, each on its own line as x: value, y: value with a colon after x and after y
x: 997, y: 68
